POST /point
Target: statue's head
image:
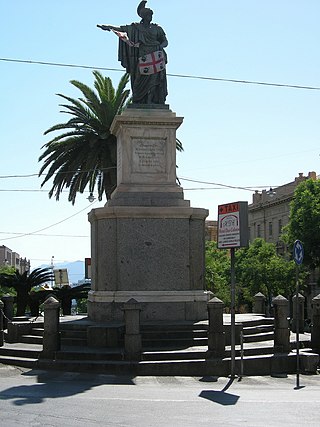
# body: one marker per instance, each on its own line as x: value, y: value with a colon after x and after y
x: 144, y: 12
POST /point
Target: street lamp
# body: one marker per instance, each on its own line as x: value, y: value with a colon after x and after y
x: 91, y: 197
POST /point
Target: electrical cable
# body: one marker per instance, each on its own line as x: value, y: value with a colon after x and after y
x: 220, y: 185
x: 186, y: 76
x: 39, y: 234
x: 49, y: 226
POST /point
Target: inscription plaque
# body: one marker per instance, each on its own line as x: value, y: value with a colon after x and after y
x: 148, y: 155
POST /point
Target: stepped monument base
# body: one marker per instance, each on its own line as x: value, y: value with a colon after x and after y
x: 147, y: 243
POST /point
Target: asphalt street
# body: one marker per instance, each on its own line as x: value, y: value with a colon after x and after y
x: 44, y: 398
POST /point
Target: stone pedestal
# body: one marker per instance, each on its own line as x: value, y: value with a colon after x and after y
x: 259, y: 304
x: 147, y: 243
x: 51, y: 335
x: 216, y: 334
x: 315, y: 328
x: 281, y: 325
x: 132, y: 337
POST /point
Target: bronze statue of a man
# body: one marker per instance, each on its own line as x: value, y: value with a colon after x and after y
x: 141, y: 53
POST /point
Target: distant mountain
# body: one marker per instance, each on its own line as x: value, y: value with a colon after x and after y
x: 75, y: 269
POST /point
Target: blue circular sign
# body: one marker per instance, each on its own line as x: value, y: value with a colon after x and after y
x: 298, y: 252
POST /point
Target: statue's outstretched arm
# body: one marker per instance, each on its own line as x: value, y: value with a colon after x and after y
x: 109, y: 27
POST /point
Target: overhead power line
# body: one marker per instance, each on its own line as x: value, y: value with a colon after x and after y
x: 30, y: 175
x: 222, y: 185
x: 40, y: 234
x: 32, y: 233
x: 186, y: 76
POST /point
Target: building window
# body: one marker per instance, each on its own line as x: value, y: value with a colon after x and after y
x: 279, y: 226
x: 258, y: 230
x: 270, y: 228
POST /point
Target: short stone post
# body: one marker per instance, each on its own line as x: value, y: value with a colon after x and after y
x: 281, y: 325
x: 1, y: 324
x: 300, y: 313
x: 8, y: 309
x: 259, y: 303
x: 132, y: 337
x: 315, y: 326
x: 216, y: 334
x: 51, y: 335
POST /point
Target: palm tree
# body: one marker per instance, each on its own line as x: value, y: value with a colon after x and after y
x: 23, y: 283
x: 65, y: 295
x: 86, y: 153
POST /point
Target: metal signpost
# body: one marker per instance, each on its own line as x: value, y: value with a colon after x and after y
x: 298, y: 253
x: 233, y: 232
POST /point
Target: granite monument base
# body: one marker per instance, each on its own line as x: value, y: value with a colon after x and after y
x: 152, y: 254
x: 147, y: 243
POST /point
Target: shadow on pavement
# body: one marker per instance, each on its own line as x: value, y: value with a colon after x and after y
x: 221, y: 396
x: 52, y: 385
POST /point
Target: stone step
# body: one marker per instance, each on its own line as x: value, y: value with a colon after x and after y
x: 172, y: 355
x: 250, y: 330
x: 25, y: 362
x: 178, y: 326
x: 174, y: 334
x: 37, y: 331
x: 257, y: 365
x: 113, y: 367
x: 73, y: 341
x: 92, y: 354
x: 74, y: 333
x: 258, y: 322
x: 265, y: 336
x: 31, y: 339
x: 21, y: 352
x: 174, y: 343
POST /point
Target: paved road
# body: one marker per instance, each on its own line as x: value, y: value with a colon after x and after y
x: 40, y: 398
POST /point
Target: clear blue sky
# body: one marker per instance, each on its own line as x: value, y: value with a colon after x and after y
x: 234, y: 134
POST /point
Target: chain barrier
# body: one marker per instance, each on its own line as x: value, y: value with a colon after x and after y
x: 4, y: 316
x: 10, y: 320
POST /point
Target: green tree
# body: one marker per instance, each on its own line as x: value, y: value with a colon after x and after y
x: 304, y: 221
x: 3, y: 289
x: 260, y: 269
x: 23, y: 283
x: 218, y: 272
x: 85, y: 153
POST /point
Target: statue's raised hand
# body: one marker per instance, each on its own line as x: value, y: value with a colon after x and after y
x: 104, y: 27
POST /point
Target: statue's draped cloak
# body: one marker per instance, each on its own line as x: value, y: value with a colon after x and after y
x: 150, y: 88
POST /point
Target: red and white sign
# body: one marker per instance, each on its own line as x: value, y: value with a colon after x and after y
x: 229, y: 226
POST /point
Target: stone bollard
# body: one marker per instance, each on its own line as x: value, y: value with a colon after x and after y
x: 51, y: 335
x: 132, y: 337
x: 8, y: 309
x: 1, y: 324
x: 259, y: 303
x: 315, y: 326
x: 216, y: 334
x: 281, y: 325
x: 301, y: 300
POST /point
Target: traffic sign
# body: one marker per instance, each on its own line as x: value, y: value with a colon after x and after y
x: 298, y: 252
x: 233, y: 225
